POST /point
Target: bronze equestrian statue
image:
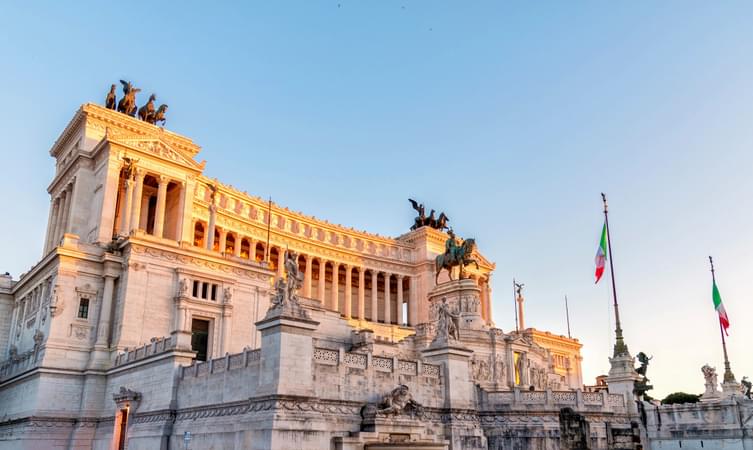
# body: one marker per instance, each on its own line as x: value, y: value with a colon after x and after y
x: 127, y: 104
x: 147, y: 111
x: 110, y: 100
x: 159, y: 115
x: 455, y: 255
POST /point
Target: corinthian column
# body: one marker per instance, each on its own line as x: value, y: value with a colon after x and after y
x: 128, y: 199
x: 374, y: 299
x: 307, y: 277
x: 159, y: 218
x: 488, y: 305
x: 387, y: 306
x: 210, y: 228
x: 321, y: 287
x: 334, y: 300
x: 348, y: 291
x: 136, y: 202
x: 361, y: 293
x: 399, y: 299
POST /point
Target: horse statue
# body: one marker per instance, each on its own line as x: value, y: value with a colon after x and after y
x: 421, y: 217
x: 159, y: 115
x: 127, y: 104
x: 147, y: 111
x: 461, y: 256
x: 442, y: 222
x: 110, y: 100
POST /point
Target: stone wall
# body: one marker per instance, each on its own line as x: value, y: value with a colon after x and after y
x: 724, y: 424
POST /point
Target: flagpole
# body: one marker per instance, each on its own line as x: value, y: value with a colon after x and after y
x: 567, y: 314
x: 619, y: 346
x: 515, y: 304
x: 728, y: 375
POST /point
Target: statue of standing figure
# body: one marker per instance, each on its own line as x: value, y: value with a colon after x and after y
x: 294, y: 277
x: 448, y: 323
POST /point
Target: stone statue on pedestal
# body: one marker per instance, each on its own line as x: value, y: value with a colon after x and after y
x: 448, y: 323
x: 711, y: 382
x: 284, y: 300
x: 641, y: 385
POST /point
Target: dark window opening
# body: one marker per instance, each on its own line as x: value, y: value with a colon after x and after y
x: 214, y: 292
x: 151, y: 212
x: 195, y: 290
x: 83, y: 308
x: 123, y: 429
x: 203, y: 290
x: 200, y: 338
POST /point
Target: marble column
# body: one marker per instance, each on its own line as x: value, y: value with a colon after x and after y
x: 210, y: 228
x: 387, y: 300
x: 399, y: 299
x: 280, y: 262
x: 159, y: 217
x: 67, y: 210
x: 136, y: 202
x: 181, y: 215
x: 361, y: 293
x: 482, y: 298
x: 58, y: 219
x: 237, y: 245
x: 126, y: 213
x: 412, y: 302
x: 103, y: 327
x: 348, y: 304
x: 334, y: 298
x: 54, y: 207
x: 322, y: 286
x: 488, y: 291
x: 223, y: 240
x: 307, y: 276
x: 374, y: 293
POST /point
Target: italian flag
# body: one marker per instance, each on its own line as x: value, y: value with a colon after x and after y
x: 601, y: 254
x: 719, y: 307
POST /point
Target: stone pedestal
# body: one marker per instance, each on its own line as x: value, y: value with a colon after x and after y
x: 464, y: 298
x: 286, y: 355
x: 459, y: 392
x: 732, y: 389
x: 621, y: 379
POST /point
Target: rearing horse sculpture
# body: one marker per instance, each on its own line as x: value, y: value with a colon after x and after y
x: 461, y: 258
x: 127, y: 104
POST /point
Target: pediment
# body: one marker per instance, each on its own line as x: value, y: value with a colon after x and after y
x: 157, y: 147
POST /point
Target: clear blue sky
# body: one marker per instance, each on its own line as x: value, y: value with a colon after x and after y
x: 509, y: 116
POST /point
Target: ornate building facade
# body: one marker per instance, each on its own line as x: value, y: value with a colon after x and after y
x: 145, y: 324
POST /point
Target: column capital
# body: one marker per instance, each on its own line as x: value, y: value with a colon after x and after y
x: 163, y: 179
x: 399, y: 276
x: 140, y: 173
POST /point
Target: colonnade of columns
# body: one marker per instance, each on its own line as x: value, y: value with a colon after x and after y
x: 333, y: 283
x: 135, y: 206
x: 60, y: 216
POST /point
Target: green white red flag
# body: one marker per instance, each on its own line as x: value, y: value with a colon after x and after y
x: 601, y: 254
x: 719, y: 307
